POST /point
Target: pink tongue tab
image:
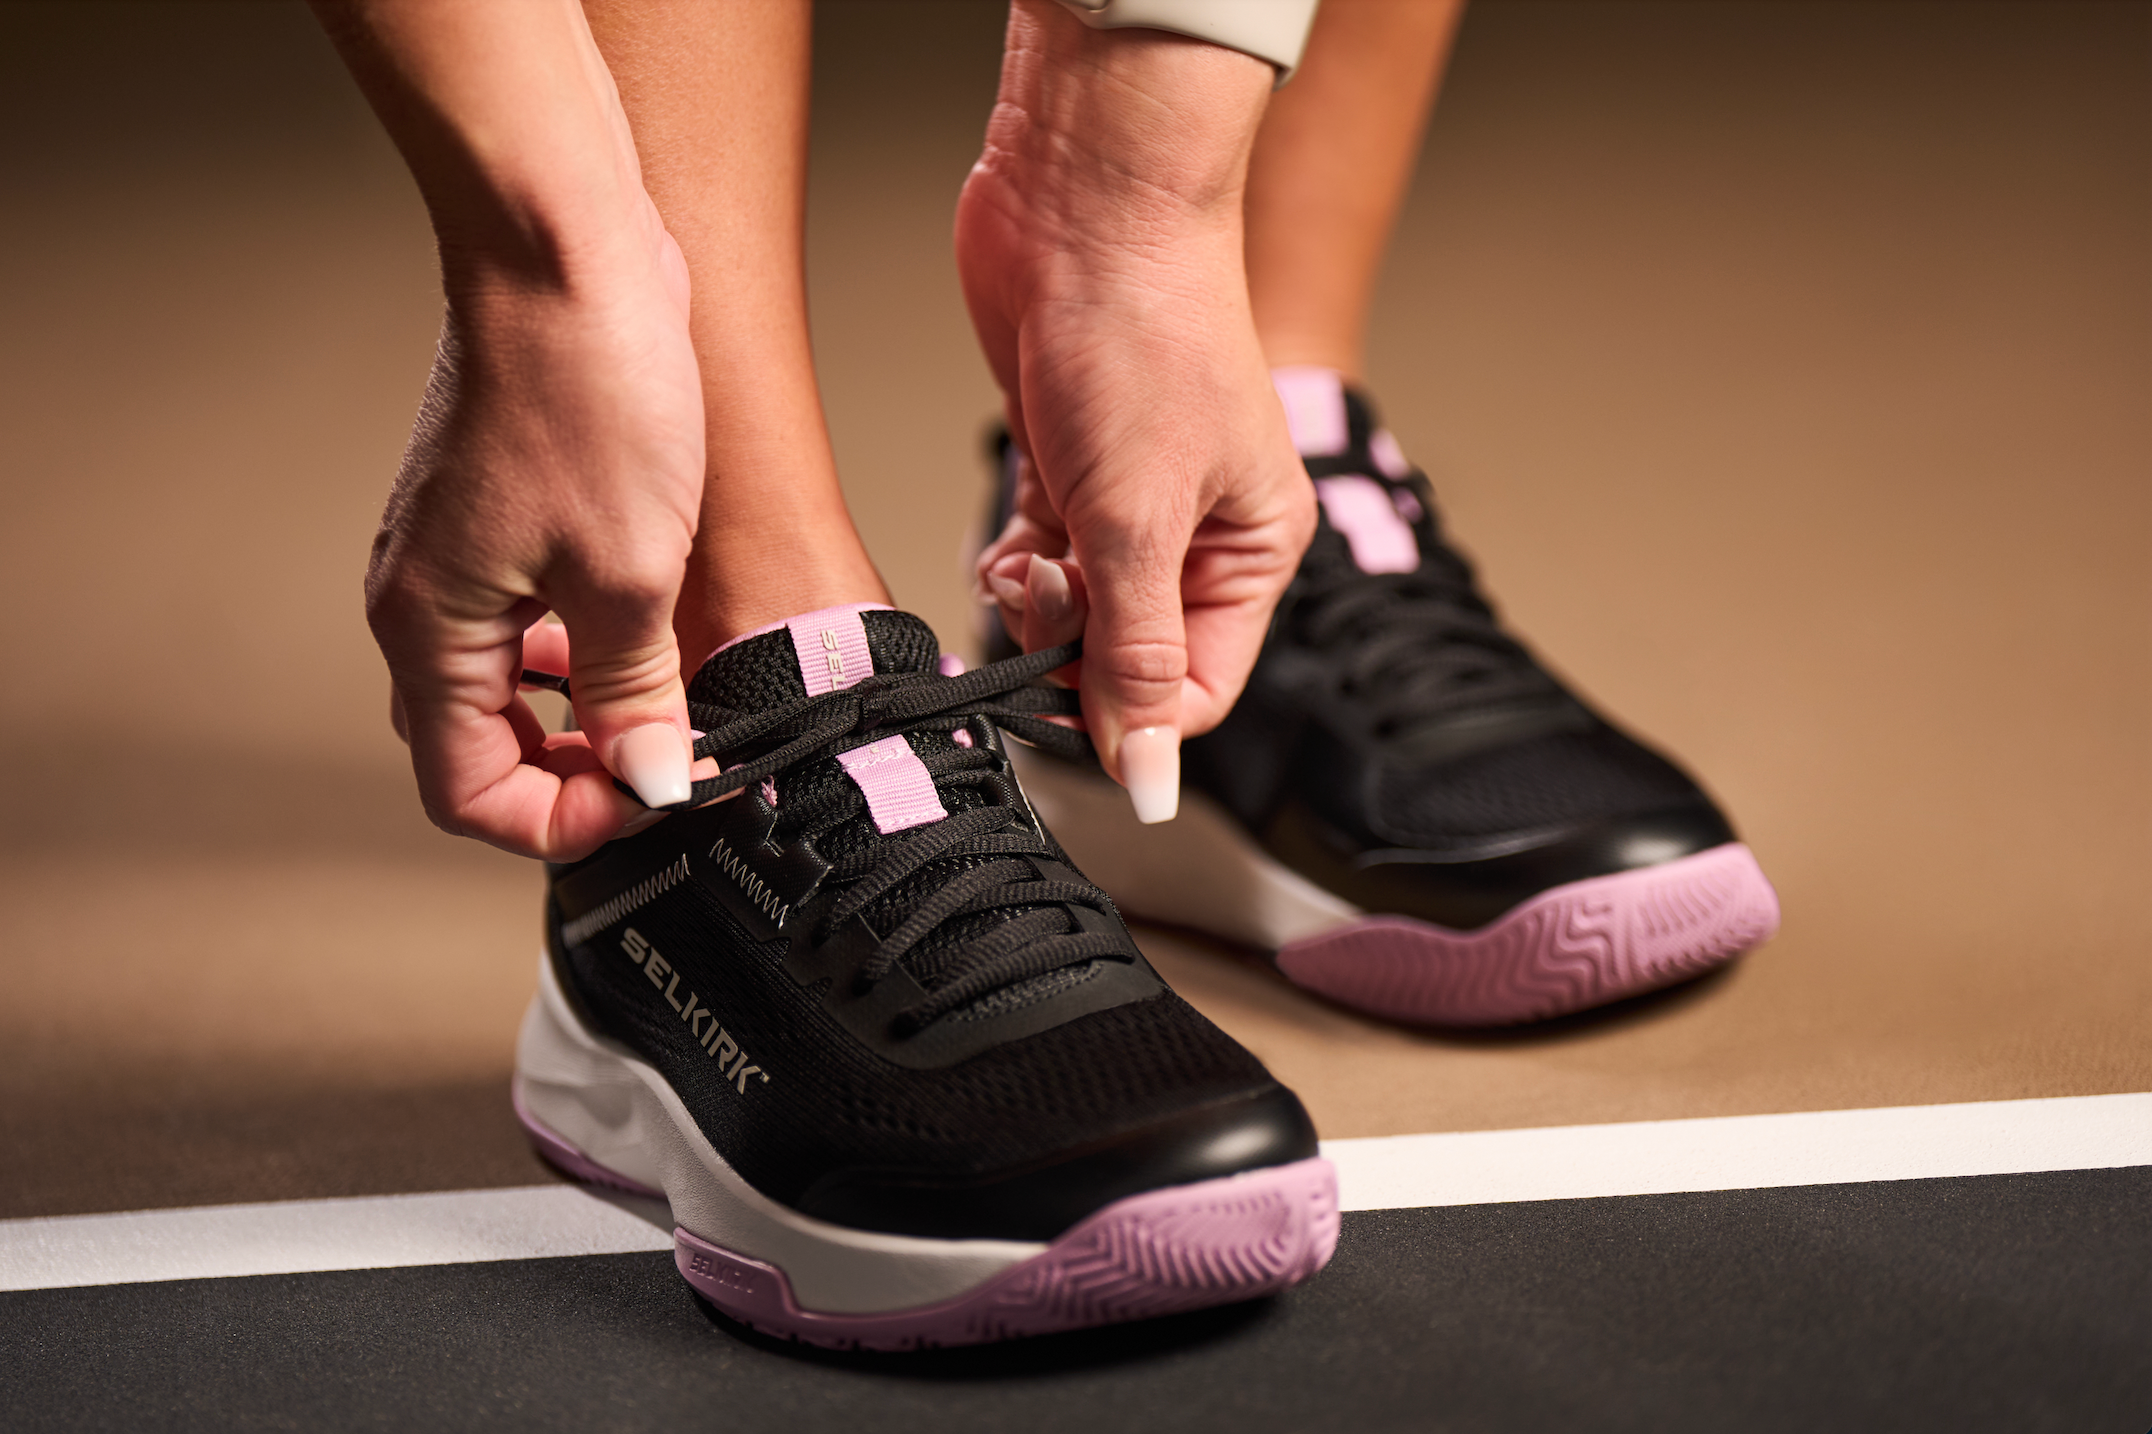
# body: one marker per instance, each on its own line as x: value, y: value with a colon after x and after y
x: 899, y: 791
x: 1388, y: 456
x: 832, y: 647
x: 1314, y: 400
x: 1380, y: 538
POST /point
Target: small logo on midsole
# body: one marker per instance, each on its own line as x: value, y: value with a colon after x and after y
x: 720, y: 1045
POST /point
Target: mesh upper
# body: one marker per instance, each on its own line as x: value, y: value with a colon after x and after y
x: 1546, y: 781
x: 763, y: 671
x: 831, y: 1103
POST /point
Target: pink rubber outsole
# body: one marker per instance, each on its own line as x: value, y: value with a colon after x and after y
x: 572, y: 1162
x: 1567, y: 949
x: 1162, y: 1252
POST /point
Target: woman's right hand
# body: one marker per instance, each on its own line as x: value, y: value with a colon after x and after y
x: 557, y: 460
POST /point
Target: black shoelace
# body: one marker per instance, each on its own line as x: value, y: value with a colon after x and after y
x: 1415, y: 645
x: 1038, y: 935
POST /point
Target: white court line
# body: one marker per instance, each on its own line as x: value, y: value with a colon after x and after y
x: 1744, y: 1152
x: 1741, y: 1152
x: 291, y: 1236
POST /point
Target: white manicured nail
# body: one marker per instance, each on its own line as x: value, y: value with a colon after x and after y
x: 654, y: 761
x: 1151, y: 770
x: 1007, y: 591
x: 1046, y: 585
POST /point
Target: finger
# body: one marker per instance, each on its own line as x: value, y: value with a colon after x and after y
x: 1004, y: 584
x: 624, y: 681
x: 1229, y: 590
x: 1224, y: 640
x: 479, y: 752
x: 1135, y: 662
x: 1055, y: 604
x: 545, y: 648
x: 1004, y: 565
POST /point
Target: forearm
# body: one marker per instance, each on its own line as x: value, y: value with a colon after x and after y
x: 508, y: 119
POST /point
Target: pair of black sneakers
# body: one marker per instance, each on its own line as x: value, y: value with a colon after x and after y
x: 888, y: 1048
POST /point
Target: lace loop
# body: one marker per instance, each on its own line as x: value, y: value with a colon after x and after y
x: 1038, y: 935
x: 1418, y: 644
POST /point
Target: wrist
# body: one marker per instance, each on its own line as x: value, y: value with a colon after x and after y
x: 509, y: 121
x: 1158, y: 124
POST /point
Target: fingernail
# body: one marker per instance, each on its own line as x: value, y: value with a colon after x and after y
x: 1007, y: 591
x: 1046, y: 584
x: 653, y: 760
x: 1151, y: 770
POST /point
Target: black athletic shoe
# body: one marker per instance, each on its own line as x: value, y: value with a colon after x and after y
x: 896, y: 1064
x: 1404, y: 806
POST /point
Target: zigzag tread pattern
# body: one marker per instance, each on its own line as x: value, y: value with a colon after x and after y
x: 1164, y: 1252
x: 1568, y: 949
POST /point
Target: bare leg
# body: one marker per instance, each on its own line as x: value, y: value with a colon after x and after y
x: 1330, y: 168
x: 716, y: 95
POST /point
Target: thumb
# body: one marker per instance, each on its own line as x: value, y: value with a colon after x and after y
x: 1134, y: 666
x: 624, y: 679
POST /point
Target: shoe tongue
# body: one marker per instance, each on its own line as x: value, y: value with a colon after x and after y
x: 814, y: 653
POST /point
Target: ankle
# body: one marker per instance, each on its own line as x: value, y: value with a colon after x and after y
x: 1310, y: 348
x: 750, y: 574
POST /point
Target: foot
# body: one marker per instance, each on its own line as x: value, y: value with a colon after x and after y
x: 1413, y: 814
x: 896, y: 1064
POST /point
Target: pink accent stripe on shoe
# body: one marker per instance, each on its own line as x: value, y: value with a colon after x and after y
x: 1380, y: 538
x: 1567, y: 949
x: 898, y: 788
x: 1314, y: 400
x: 1162, y: 1252
x: 807, y: 629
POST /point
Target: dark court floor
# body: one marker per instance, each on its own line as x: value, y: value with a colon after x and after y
x: 1784, y: 366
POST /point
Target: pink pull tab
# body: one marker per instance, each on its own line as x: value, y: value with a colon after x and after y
x: 899, y: 791
x: 832, y: 648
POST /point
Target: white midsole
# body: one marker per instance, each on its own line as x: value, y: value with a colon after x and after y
x: 1199, y: 870
x: 625, y: 1116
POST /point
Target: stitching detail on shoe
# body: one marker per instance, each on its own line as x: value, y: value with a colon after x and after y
x: 590, y: 923
x: 755, y: 889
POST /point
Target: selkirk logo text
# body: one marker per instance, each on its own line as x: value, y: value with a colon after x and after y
x: 711, y: 1036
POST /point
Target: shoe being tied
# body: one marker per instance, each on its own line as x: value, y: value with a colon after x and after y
x: 896, y: 1064
x: 1406, y: 808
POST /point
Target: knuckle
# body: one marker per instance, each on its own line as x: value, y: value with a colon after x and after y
x: 636, y: 584
x: 622, y: 675
x: 1144, y: 664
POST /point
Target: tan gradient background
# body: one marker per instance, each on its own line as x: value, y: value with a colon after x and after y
x: 1787, y: 367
